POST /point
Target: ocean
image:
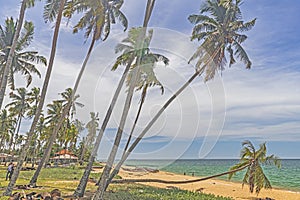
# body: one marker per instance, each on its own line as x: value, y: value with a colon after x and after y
x: 287, y: 177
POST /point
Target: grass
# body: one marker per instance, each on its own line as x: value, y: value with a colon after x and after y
x: 137, y: 192
x: 66, y: 180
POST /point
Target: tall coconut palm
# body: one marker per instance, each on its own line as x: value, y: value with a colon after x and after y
x: 18, y: 107
x: 72, y: 136
x: 7, y: 128
x: 65, y: 134
x: 92, y: 127
x: 80, y: 127
x: 146, y: 79
x: 219, y: 30
x: 25, y: 4
x: 143, y: 42
x: 22, y: 60
x: 53, y: 10
x: 37, y: 138
x: 53, y: 112
x: 40, y: 135
x: 67, y: 99
x: 254, y: 159
x: 251, y: 160
x: 146, y: 76
x: 33, y: 98
x: 97, y: 19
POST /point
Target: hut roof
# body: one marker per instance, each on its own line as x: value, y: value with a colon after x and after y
x: 63, y: 152
x: 64, y: 157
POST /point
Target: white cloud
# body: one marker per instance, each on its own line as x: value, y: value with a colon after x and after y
x: 262, y: 102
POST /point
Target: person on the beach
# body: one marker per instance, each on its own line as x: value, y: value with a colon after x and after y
x: 10, y: 170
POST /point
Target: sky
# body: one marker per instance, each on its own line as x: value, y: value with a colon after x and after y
x: 208, y: 120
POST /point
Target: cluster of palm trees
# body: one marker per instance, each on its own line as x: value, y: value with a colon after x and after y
x: 22, y: 106
x: 218, y: 28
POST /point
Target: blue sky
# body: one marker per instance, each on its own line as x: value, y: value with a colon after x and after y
x: 209, y: 120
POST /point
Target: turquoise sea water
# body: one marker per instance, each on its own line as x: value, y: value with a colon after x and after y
x: 288, y: 177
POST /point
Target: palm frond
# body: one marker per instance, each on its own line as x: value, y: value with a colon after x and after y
x: 237, y: 166
x: 247, y: 26
x: 106, y: 27
x: 249, y: 145
x: 51, y: 10
x: 195, y: 19
x: 241, y: 53
x: 121, y: 18
x: 272, y: 158
x: 26, y: 36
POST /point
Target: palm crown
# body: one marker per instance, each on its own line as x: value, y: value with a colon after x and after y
x: 22, y: 60
x: 254, y: 159
x: 132, y: 48
x: 221, y: 31
x: 98, y: 16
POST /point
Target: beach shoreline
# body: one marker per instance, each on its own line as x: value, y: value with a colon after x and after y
x: 213, y: 186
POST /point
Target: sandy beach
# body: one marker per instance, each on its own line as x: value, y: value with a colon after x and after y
x: 213, y: 186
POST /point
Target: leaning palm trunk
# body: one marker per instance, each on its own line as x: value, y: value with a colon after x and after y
x: 9, y: 61
x: 150, y: 124
x: 45, y: 158
x: 79, y: 192
x: 40, y: 105
x: 143, y: 96
x: 158, y: 114
x: 64, y: 114
x: 17, y: 133
x: 108, y: 167
x: 178, y: 182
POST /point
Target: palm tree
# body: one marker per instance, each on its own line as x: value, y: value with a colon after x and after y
x: 80, y: 127
x: 97, y: 20
x: 67, y: 99
x: 33, y: 98
x: 92, y: 126
x: 254, y: 159
x: 7, y: 128
x: 251, y: 160
x: 25, y: 4
x: 142, y: 44
x: 218, y: 31
x: 37, y: 138
x: 18, y: 107
x: 146, y: 77
x: 40, y: 136
x: 53, y: 113
x: 64, y: 134
x: 72, y: 136
x: 22, y: 60
x: 53, y: 9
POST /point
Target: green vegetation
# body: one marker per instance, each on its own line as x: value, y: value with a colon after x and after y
x: 135, y: 191
x: 66, y: 180
x: 62, y: 178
